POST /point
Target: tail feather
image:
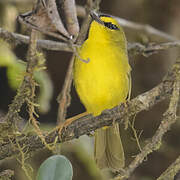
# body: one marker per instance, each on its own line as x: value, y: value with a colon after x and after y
x: 109, y: 151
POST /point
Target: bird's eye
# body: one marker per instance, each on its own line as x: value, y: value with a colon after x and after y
x: 111, y: 26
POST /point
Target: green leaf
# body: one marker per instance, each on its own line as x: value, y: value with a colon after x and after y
x: 56, y: 167
x: 16, y: 69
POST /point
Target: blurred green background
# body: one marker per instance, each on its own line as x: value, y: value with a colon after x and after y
x: 146, y: 73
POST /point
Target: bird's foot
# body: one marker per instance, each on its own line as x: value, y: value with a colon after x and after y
x: 63, y: 125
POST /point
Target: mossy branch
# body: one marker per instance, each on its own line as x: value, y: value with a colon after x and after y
x: 87, y: 124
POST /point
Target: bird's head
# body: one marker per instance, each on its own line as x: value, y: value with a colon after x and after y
x: 105, y: 28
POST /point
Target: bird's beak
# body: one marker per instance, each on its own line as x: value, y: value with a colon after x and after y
x: 96, y: 18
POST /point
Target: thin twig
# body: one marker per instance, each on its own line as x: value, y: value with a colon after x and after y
x: 171, y: 171
x: 146, y: 29
x: 64, y: 97
x: 31, y: 55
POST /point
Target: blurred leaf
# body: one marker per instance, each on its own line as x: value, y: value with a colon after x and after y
x: 15, y: 73
x: 56, y: 167
x: 46, y: 90
x: 16, y: 70
x: 7, y: 57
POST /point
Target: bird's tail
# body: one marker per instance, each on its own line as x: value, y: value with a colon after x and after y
x: 109, y: 151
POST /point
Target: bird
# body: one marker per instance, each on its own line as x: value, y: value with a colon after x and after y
x: 102, y: 79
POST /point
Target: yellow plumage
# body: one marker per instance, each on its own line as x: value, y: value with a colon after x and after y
x: 103, y: 82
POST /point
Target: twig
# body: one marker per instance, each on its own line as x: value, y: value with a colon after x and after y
x: 87, y: 124
x: 151, y: 48
x: 64, y: 97
x: 31, y: 55
x: 32, y: 64
x: 14, y: 38
x: 146, y: 29
x: 169, y: 119
x: 171, y: 171
x: 12, y: 116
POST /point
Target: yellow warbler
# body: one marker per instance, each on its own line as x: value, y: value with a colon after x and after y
x: 104, y: 82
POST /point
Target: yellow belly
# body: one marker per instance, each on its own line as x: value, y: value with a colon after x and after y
x: 103, y: 82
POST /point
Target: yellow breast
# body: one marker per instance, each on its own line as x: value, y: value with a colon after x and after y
x: 103, y: 82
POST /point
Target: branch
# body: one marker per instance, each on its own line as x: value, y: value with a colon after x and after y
x: 12, y: 117
x: 64, y: 98
x: 87, y: 124
x: 151, y: 48
x: 169, y: 119
x: 14, y: 38
x: 171, y: 171
x: 135, y: 48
